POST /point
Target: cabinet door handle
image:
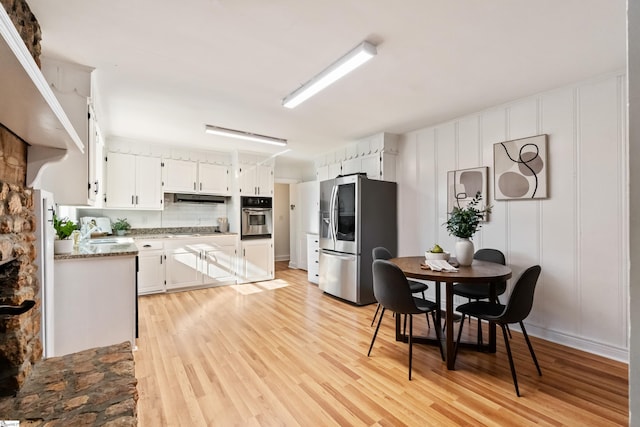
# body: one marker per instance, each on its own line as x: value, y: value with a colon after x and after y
x: 146, y: 246
x: 136, y: 200
x: 160, y: 259
x: 200, y: 186
x: 194, y: 186
x: 133, y: 199
x: 97, y: 187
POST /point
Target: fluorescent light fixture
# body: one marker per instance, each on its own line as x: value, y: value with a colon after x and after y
x: 217, y: 130
x: 343, y: 66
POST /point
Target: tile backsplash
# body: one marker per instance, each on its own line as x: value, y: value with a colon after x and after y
x: 173, y: 214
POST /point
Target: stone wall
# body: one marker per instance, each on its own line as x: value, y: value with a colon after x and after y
x: 26, y: 24
x: 13, y: 158
x: 20, y: 342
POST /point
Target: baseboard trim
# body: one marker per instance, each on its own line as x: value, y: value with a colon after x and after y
x: 580, y: 343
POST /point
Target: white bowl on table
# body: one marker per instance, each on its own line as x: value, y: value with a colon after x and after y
x: 437, y: 255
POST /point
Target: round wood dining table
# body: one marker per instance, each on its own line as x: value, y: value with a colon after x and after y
x: 478, y: 272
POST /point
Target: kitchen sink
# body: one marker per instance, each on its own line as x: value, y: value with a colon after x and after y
x: 110, y: 241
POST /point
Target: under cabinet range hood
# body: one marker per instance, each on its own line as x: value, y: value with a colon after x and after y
x: 197, y: 198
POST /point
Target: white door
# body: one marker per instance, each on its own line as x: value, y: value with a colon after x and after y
x: 93, y: 157
x: 214, y: 179
x: 335, y: 169
x: 257, y: 260
x: 180, y: 175
x: 218, y: 264
x: 371, y: 166
x: 121, y: 180
x: 295, y: 260
x: 247, y: 180
x: 351, y: 166
x: 183, y: 267
x: 44, y: 206
x: 148, y: 182
x: 150, y: 272
x: 264, y: 180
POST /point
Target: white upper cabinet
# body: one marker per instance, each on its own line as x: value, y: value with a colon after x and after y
x: 255, y: 180
x: 374, y: 155
x: 180, y: 176
x: 187, y: 176
x: 213, y: 179
x: 133, y: 182
x: 77, y: 178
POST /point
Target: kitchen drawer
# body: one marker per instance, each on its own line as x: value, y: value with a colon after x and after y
x: 149, y: 245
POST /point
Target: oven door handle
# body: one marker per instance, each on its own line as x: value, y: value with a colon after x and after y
x: 257, y: 210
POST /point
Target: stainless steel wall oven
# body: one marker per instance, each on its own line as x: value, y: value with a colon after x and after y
x: 256, y: 217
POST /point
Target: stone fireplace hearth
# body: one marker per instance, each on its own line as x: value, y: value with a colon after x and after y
x: 20, y: 344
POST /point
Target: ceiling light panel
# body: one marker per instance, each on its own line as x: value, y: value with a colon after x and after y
x: 248, y: 136
x: 343, y: 66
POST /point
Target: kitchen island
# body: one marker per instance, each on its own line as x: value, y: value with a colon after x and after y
x: 94, y: 300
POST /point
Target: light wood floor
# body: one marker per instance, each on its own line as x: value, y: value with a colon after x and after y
x: 282, y: 353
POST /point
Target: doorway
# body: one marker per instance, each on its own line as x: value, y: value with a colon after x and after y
x: 281, y: 222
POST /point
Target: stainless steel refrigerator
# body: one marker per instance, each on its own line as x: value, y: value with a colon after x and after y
x: 356, y: 215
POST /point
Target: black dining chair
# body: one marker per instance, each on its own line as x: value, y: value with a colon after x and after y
x: 517, y: 309
x: 392, y: 290
x: 416, y: 287
x: 480, y: 291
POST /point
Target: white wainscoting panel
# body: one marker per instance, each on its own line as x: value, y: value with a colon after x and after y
x: 579, y: 234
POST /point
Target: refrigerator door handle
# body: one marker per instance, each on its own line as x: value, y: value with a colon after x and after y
x: 329, y: 220
x: 333, y: 213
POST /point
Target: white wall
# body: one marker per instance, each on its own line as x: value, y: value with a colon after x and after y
x: 579, y: 234
x: 633, y: 26
x: 293, y: 170
x: 173, y: 214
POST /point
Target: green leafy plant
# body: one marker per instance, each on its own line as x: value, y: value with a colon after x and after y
x: 464, y: 222
x: 121, y: 224
x: 64, y: 227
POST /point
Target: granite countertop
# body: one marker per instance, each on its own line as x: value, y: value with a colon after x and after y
x: 175, y: 232
x: 177, y: 235
x: 89, y: 250
x: 125, y: 245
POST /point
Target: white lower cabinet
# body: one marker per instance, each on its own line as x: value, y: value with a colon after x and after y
x: 313, y: 258
x: 193, y: 262
x: 94, y: 304
x: 219, y: 262
x: 180, y: 263
x: 151, y: 272
x: 183, y: 264
x: 256, y: 261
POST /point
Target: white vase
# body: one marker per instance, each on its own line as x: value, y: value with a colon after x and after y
x: 464, y: 251
x: 62, y: 246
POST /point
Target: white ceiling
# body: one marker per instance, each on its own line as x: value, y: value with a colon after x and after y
x: 165, y: 68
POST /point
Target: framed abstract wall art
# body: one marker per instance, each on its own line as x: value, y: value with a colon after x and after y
x: 464, y: 184
x: 520, y: 168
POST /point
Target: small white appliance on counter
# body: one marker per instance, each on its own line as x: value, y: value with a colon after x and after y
x: 95, y: 225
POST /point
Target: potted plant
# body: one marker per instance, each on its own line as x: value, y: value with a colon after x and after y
x: 64, y: 228
x: 463, y: 223
x: 121, y: 226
